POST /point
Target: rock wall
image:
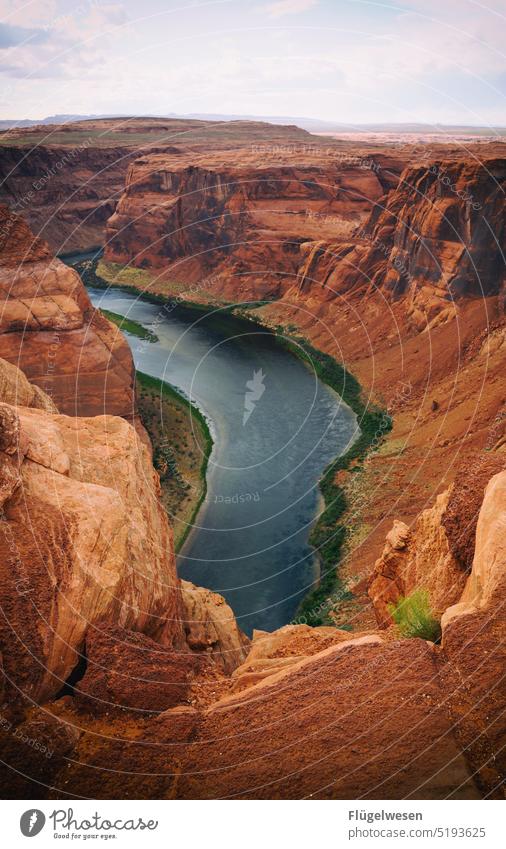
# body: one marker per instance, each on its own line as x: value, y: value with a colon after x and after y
x: 241, y: 215
x: 88, y: 561
x: 305, y: 712
x: 85, y: 542
x: 49, y: 329
x: 437, y: 237
x: 65, y: 193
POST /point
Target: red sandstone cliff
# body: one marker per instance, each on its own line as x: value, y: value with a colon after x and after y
x: 438, y: 237
x: 66, y: 179
x: 241, y: 217
x: 49, y: 329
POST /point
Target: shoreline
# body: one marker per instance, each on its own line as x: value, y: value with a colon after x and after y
x: 329, y: 533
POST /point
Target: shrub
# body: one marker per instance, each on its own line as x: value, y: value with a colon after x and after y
x: 414, y: 618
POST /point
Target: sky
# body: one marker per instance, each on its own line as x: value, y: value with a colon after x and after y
x: 354, y: 61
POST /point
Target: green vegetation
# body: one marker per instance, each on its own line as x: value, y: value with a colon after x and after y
x: 95, y: 272
x: 119, y: 275
x: 329, y: 534
x: 182, y: 444
x: 414, y: 618
x: 102, y: 275
x: 128, y: 325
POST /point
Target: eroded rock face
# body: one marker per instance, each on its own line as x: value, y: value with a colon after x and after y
x: 127, y: 670
x: 244, y: 226
x: 49, y: 329
x: 15, y: 389
x: 67, y: 195
x: 211, y: 628
x: 36, y: 750
x: 337, y: 725
x: 417, y: 559
x: 271, y: 653
x: 486, y: 584
x: 240, y: 215
x: 84, y: 539
x: 437, y: 237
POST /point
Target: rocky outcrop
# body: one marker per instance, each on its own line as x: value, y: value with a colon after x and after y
x: 445, y: 227
x: 245, y: 226
x: 460, y: 517
x: 66, y: 193
x: 49, y: 329
x: 417, y: 559
x: 211, y: 628
x: 273, y: 652
x: 127, y: 670
x: 84, y: 540
x: 15, y: 388
x: 360, y: 719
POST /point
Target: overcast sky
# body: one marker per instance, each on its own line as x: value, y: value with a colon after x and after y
x: 439, y: 61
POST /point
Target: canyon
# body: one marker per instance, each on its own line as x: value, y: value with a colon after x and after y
x: 389, y: 259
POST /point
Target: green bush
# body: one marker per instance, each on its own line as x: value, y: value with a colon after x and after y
x: 414, y: 618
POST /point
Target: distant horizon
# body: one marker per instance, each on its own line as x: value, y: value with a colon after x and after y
x: 421, y: 61
x: 62, y: 118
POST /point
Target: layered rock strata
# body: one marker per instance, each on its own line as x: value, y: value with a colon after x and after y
x: 49, y: 329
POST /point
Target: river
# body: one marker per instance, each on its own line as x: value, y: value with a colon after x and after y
x: 275, y: 427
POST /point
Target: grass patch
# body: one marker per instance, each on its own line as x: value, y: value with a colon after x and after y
x: 137, y: 281
x: 182, y: 444
x: 414, y: 618
x: 128, y: 325
x: 118, y: 275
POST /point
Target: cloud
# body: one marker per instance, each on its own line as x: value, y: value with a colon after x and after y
x: 409, y: 58
x: 64, y: 45
x: 288, y: 7
x: 35, y: 14
x: 12, y: 36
